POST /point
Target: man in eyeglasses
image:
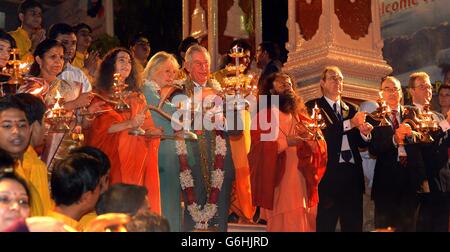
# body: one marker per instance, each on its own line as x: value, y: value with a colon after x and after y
x: 342, y: 187
x: 399, y: 168
x: 140, y: 48
x: 435, y: 191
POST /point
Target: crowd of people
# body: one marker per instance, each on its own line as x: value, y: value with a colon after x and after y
x: 122, y: 164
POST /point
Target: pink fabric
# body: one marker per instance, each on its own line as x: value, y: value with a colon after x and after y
x: 290, y: 211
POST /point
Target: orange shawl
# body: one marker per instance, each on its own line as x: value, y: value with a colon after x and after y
x: 134, y: 159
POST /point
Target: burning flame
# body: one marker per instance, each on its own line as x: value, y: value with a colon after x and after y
x: 36, y: 91
x: 23, y: 65
x: 58, y: 95
x: 56, y: 106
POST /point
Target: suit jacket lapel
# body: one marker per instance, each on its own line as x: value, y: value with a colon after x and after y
x: 327, y: 110
x: 402, y: 113
x: 345, y: 110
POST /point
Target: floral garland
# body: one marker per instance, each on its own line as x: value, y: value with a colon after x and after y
x: 199, y: 215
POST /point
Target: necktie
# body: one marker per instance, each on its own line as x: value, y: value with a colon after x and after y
x: 402, y: 159
x: 347, y: 155
x: 395, y: 123
x: 338, y: 115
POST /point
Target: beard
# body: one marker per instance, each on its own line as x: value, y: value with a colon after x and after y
x: 288, y: 102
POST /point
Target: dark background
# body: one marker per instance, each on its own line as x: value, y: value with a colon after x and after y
x: 161, y: 22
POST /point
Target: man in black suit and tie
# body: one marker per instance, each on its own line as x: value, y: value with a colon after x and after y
x: 400, y: 168
x: 342, y: 187
x: 434, y: 194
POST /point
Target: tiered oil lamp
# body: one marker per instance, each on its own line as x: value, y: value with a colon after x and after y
x: 119, y: 94
x: 424, y: 124
x: 240, y: 84
x: 117, y: 98
x: 314, y: 127
x: 15, y: 69
x: 57, y: 117
x: 381, y: 113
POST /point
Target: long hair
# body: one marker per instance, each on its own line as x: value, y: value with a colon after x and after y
x: 268, y: 85
x: 41, y: 49
x: 107, y: 69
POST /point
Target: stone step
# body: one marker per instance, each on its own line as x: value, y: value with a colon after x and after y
x: 234, y: 227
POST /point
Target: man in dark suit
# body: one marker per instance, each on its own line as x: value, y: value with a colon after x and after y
x: 435, y: 192
x: 342, y: 187
x: 400, y: 169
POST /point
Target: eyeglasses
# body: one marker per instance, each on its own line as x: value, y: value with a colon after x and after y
x: 423, y: 87
x: 335, y: 78
x: 391, y: 90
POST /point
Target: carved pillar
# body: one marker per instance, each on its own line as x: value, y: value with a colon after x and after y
x: 212, y: 33
x: 342, y: 33
x: 258, y: 23
x: 185, y: 20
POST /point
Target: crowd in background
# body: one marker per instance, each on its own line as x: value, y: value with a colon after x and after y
x: 121, y: 165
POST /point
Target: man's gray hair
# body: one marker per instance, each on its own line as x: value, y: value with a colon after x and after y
x: 193, y: 49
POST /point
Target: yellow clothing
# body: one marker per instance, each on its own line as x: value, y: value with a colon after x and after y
x: 23, y: 42
x: 66, y: 219
x: 241, y: 200
x: 78, y: 61
x: 34, y: 172
x: 86, y: 219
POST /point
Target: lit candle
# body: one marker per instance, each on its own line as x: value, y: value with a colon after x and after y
x: 58, y: 96
x: 236, y: 52
x: 36, y: 91
x: 56, y: 110
x: 56, y: 106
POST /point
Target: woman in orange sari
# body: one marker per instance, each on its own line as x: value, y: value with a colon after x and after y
x: 134, y: 159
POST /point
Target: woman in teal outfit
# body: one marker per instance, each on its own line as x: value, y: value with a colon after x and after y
x: 159, y: 74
